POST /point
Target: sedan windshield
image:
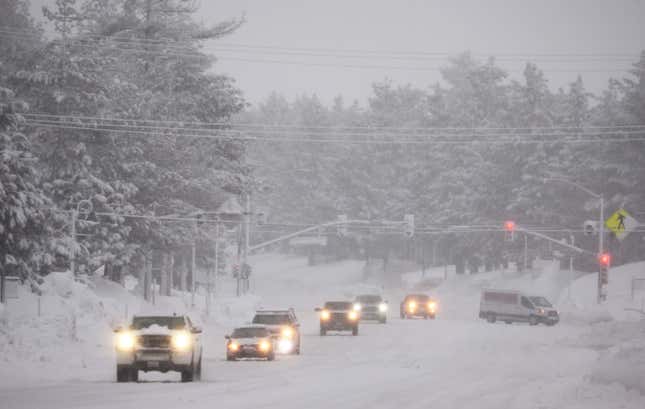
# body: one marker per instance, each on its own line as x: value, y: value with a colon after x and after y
x: 250, y: 333
x: 168, y: 322
x: 540, y: 302
x: 271, y: 319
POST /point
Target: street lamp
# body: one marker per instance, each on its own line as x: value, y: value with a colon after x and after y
x: 601, y: 221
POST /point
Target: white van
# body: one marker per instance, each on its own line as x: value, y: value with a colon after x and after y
x: 513, y: 306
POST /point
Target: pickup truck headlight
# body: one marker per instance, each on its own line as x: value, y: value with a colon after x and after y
x: 265, y: 346
x: 357, y: 307
x: 412, y: 305
x: 285, y: 346
x: 233, y: 346
x: 325, y: 315
x: 180, y: 340
x: 382, y: 307
x: 352, y: 315
x: 432, y: 306
x: 125, y: 341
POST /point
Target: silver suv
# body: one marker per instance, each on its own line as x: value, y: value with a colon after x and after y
x: 158, y: 343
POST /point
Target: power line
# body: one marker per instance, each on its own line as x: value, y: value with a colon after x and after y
x: 624, y: 136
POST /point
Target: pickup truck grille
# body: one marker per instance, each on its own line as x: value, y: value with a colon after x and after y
x: 338, y: 316
x: 553, y: 313
x: 154, y: 341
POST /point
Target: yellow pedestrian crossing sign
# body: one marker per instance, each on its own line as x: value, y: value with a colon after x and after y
x: 621, y: 223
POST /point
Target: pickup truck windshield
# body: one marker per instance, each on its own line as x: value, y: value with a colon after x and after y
x: 338, y: 306
x: 169, y: 322
x: 369, y: 299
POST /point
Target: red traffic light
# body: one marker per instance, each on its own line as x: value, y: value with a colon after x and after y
x: 509, y: 225
x: 605, y: 259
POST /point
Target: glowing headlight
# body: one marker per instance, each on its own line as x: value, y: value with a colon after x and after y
x: 325, y: 315
x: 125, y: 341
x: 265, y: 346
x: 357, y: 307
x: 352, y: 315
x: 287, y: 332
x: 180, y: 340
x: 285, y: 346
x: 412, y: 305
x: 432, y: 306
x: 233, y: 346
x: 382, y: 307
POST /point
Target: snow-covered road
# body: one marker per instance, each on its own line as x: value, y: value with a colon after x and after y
x: 406, y: 364
x: 456, y: 361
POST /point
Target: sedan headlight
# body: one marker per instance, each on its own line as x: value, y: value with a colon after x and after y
x: 382, y: 307
x: 352, y: 315
x: 125, y: 341
x: 325, y: 315
x: 287, y: 332
x: 432, y: 306
x: 412, y: 305
x: 180, y: 340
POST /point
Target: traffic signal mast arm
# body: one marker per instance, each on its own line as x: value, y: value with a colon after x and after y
x: 551, y: 239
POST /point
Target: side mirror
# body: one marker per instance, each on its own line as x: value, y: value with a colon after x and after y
x: 227, y: 337
x: 118, y: 329
x: 317, y: 309
x: 196, y: 330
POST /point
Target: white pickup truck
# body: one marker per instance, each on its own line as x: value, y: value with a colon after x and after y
x: 158, y: 343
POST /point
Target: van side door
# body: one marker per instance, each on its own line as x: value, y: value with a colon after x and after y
x: 527, y: 308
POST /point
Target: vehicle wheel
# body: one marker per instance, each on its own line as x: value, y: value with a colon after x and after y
x: 491, y: 318
x: 402, y: 316
x: 382, y: 321
x: 134, y: 375
x: 508, y: 322
x: 271, y: 357
x: 323, y: 332
x: 355, y: 331
x: 230, y: 358
x: 198, y: 372
x: 533, y: 320
x: 425, y: 316
x: 550, y: 324
x: 188, y: 375
x: 432, y: 316
x: 297, y: 350
x: 123, y: 374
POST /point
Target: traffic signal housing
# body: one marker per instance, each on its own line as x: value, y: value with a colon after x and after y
x: 509, y: 230
x: 605, y: 262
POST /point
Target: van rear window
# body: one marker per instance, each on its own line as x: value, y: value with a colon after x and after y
x: 503, y: 298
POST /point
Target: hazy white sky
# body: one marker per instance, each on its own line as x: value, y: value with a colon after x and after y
x: 491, y: 27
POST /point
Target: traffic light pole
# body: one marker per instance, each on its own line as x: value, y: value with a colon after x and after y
x: 601, y: 246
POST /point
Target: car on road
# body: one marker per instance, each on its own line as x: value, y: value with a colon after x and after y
x: 418, y: 305
x: 253, y: 341
x: 338, y: 316
x: 372, y: 307
x: 284, y: 328
x: 515, y: 306
x: 158, y: 343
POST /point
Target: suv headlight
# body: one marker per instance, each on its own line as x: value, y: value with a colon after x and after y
x: 382, y: 307
x: 357, y: 307
x: 325, y: 315
x: 125, y: 341
x: 286, y: 332
x: 432, y: 306
x: 265, y: 346
x: 352, y: 315
x: 180, y: 340
x: 412, y: 305
x: 540, y: 311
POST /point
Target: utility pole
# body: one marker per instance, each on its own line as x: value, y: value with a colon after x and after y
x: 72, y: 262
x: 193, y: 264
x: 247, y: 238
x: 526, y: 252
